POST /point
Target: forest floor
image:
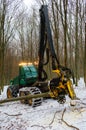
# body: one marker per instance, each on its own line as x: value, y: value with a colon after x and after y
x: 49, y: 116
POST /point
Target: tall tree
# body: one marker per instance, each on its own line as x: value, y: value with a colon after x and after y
x: 85, y: 58
x: 63, y: 12
x: 77, y: 44
x: 4, y: 37
x: 56, y: 25
x: 65, y: 4
x: 6, y: 31
x: 22, y: 40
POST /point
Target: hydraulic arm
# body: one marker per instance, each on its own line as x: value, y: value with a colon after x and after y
x: 46, y: 43
x: 62, y: 84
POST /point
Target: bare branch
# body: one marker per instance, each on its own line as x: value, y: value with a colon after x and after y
x: 67, y: 122
x: 13, y: 114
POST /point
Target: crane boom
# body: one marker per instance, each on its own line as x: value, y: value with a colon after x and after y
x: 45, y: 41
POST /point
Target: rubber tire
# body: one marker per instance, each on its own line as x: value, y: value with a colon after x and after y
x: 9, y: 92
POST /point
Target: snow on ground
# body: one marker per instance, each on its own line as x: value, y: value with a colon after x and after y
x: 49, y: 116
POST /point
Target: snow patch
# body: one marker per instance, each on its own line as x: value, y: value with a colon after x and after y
x: 81, y: 83
x: 48, y: 116
x: 3, y: 94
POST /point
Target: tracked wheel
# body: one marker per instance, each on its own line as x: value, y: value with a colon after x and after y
x: 23, y: 94
x: 9, y: 92
x: 12, y: 91
x: 31, y: 91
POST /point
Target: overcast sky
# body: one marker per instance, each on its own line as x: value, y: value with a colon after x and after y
x: 29, y: 2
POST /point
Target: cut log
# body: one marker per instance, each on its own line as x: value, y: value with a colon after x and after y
x: 24, y: 97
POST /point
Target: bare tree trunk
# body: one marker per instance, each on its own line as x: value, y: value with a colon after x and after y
x: 85, y: 58
x: 65, y: 3
x: 77, y: 44
x: 6, y: 32
x: 69, y: 34
x: 64, y: 23
x: 56, y: 25
x: 81, y: 48
x: 2, y: 42
x: 31, y: 56
x: 1, y: 70
x: 22, y: 42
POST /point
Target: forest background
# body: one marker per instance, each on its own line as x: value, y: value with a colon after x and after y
x: 20, y: 35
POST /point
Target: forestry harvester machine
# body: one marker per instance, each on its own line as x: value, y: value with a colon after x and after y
x: 32, y: 83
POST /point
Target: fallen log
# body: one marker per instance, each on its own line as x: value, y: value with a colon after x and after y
x: 24, y: 97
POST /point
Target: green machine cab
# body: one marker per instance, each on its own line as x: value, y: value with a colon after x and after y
x: 28, y: 75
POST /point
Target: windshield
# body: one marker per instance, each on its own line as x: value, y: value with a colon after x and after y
x: 29, y: 69
x: 26, y: 68
x: 32, y: 69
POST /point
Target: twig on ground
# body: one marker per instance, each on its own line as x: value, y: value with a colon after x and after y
x: 66, y: 122
x: 83, y: 103
x: 38, y: 126
x: 53, y: 118
x: 49, y: 123
x: 14, y: 114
